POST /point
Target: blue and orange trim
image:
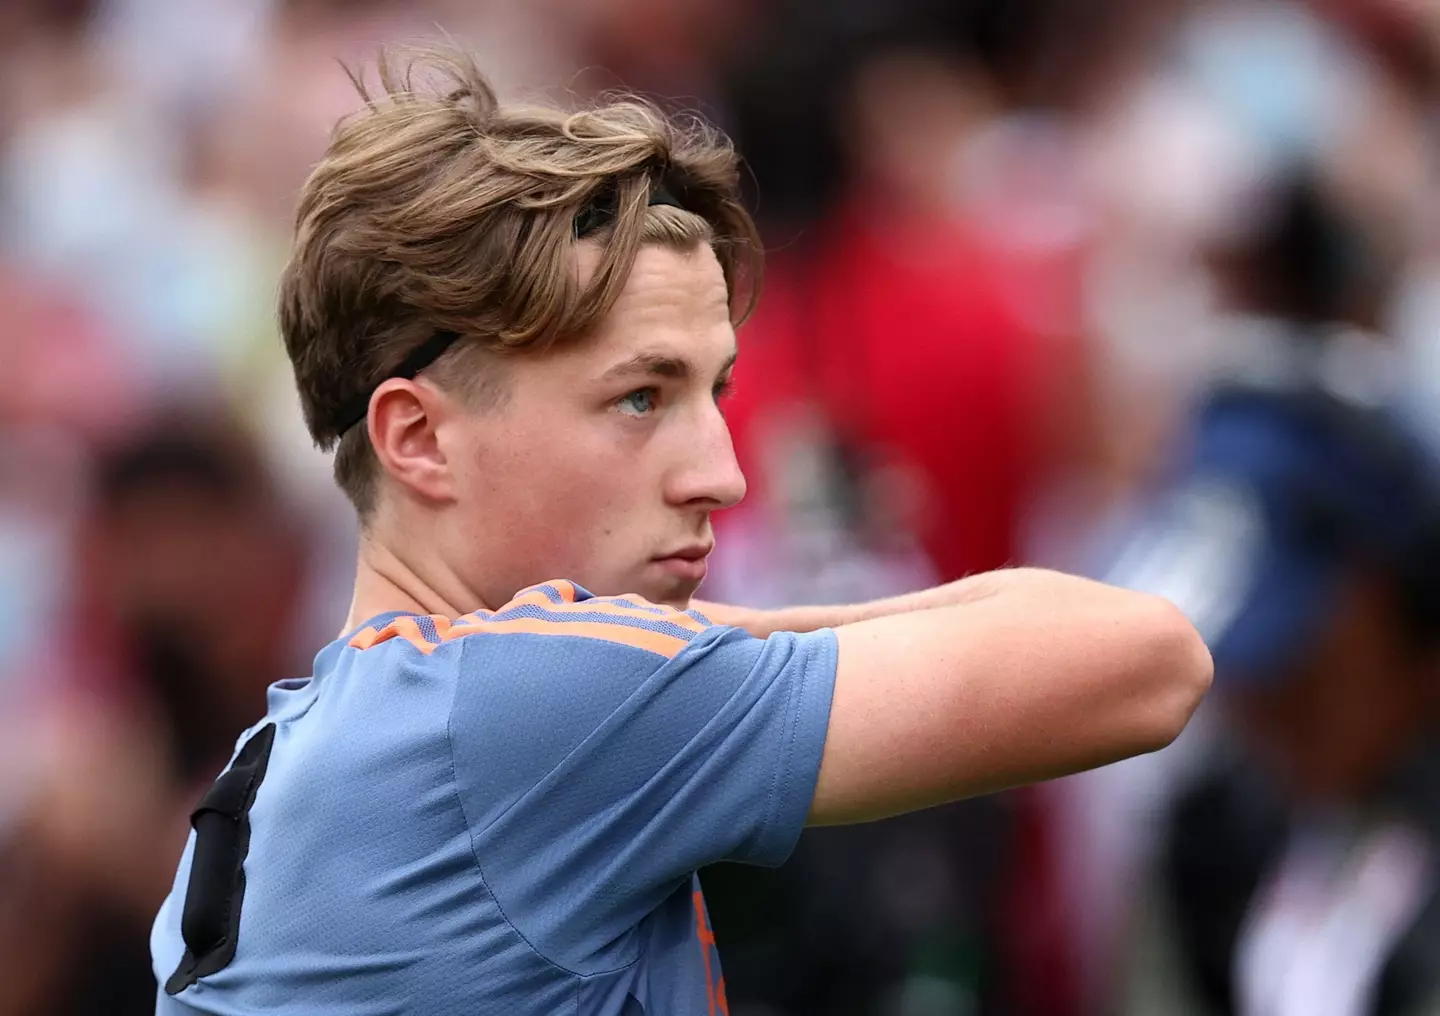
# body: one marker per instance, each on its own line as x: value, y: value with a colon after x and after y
x: 551, y: 608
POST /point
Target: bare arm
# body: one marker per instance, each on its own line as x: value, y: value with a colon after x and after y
x: 1036, y: 676
x: 764, y: 623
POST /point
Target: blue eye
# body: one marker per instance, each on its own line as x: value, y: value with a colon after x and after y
x: 638, y: 403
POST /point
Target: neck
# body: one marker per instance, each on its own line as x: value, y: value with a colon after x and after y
x: 384, y: 582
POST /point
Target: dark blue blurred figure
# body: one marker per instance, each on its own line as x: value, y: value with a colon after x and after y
x: 1300, y: 529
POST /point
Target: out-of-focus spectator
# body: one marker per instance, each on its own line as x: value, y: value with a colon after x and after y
x: 53, y: 345
x: 1294, y: 296
x: 915, y: 370
x: 1300, y: 865
x: 1013, y: 243
x: 931, y: 322
x: 188, y: 574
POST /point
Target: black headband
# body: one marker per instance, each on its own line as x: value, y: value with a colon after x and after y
x: 601, y: 211
x: 595, y: 216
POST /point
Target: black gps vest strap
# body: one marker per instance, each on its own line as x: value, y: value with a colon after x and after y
x: 210, y: 921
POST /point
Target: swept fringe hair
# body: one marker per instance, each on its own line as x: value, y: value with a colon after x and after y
x: 437, y: 207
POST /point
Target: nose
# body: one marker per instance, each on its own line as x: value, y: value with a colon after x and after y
x: 706, y: 472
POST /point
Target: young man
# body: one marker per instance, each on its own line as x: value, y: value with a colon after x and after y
x: 493, y: 794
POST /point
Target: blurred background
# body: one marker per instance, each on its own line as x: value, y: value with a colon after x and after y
x: 1145, y: 289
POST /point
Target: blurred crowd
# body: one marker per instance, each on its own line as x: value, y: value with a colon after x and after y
x: 1146, y: 289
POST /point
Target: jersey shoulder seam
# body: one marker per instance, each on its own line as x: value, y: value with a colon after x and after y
x: 479, y: 865
x: 549, y: 610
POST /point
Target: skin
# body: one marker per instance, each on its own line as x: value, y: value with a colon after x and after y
x: 1348, y: 711
x: 603, y: 461
x: 606, y: 460
x: 638, y: 402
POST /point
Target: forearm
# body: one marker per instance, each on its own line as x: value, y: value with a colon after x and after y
x: 1050, y: 675
x: 763, y: 623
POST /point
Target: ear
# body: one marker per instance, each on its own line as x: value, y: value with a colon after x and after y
x: 403, y: 420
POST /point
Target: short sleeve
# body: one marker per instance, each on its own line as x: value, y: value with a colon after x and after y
x: 598, y: 773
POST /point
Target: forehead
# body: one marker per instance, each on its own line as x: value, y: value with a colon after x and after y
x: 674, y: 303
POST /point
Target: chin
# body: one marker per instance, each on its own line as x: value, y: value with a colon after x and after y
x: 675, y: 593
x: 677, y: 597
x: 679, y: 601
x: 663, y: 590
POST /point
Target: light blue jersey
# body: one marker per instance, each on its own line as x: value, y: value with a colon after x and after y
x: 501, y: 814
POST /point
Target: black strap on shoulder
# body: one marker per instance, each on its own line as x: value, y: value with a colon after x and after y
x: 210, y: 922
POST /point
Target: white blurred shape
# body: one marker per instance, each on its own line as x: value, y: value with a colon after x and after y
x: 184, y: 56
x: 1325, y: 920
x: 1200, y: 556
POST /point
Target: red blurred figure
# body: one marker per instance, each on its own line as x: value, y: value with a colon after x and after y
x: 934, y: 326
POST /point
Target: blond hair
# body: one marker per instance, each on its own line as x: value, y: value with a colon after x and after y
x: 439, y: 209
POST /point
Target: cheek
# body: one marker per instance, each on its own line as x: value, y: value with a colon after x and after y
x: 559, y: 503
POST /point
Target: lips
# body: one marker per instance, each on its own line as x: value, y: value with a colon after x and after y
x: 687, y: 563
x: 696, y: 552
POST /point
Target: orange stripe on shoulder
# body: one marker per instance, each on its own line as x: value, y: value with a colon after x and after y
x: 660, y: 643
x: 530, y: 597
x: 643, y: 610
x: 613, y: 609
x: 576, y: 618
x: 407, y: 628
x: 369, y: 636
x: 537, y: 595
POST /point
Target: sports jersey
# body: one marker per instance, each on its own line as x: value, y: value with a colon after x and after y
x: 499, y: 814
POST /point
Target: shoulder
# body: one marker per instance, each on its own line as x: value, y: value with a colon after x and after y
x: 550, y: 616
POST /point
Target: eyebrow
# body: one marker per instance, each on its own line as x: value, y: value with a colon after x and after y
x: 662, y: 365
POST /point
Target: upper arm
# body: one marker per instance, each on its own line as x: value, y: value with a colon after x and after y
x: 597, y: 776
x: 1049, y: 676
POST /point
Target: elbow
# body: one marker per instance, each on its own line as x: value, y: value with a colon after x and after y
x: 1176, y: 673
